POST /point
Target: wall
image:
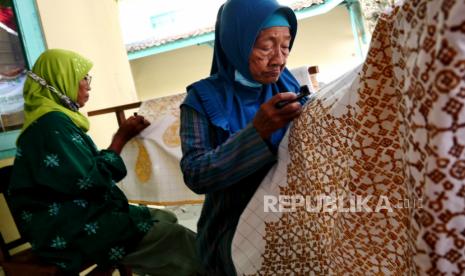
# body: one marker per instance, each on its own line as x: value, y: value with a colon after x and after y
x: 169, y: 73
x: 91, y: 28
x: 327, y: 41
x: 324, y: 40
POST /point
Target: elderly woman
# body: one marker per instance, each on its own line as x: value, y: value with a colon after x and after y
x: 230, y: 124
x: 63, y: 189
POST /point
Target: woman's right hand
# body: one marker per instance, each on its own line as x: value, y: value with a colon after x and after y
x: 127, y: 130
x: 269, y: 118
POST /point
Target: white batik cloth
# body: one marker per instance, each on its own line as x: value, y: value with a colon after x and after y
x: 385, y: 149
x: 302, y: 76
x: 152, y: 158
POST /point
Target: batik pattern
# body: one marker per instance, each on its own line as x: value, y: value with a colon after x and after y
x: 395, y: 135
x: 152, y: 158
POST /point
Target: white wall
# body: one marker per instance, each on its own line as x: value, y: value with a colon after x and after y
x: 324, y: 40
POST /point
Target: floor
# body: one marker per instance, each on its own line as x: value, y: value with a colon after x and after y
x: 188, y: 215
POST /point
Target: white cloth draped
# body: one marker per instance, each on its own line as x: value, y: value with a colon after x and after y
x: 152, y: 158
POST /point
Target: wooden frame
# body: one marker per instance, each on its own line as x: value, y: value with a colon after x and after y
x: 118, y: 110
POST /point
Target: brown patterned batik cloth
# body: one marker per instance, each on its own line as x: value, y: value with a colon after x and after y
x: 371, y: 177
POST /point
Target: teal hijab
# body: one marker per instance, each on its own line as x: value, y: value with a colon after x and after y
x: 63, y: 70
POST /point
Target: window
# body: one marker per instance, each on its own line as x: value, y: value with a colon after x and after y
x: 23, y: 43
x: 12, y: 70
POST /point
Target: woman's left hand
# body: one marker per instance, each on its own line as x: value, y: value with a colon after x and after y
x: 127, y: 130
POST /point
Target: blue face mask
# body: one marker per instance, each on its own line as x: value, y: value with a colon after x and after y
x: 242, y: 80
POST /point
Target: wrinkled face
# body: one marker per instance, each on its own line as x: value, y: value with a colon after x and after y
x: 269, y: 54
x: 83, y: 92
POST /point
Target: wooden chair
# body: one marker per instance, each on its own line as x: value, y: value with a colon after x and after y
x: 25, y: 263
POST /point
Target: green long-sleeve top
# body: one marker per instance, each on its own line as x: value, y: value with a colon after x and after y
x: 64, y: 198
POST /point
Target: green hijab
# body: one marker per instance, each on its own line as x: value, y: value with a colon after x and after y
x: 63, y: 70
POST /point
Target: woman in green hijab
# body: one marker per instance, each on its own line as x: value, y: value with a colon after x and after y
x: 63, y: 190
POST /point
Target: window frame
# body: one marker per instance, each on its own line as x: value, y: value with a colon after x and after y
x: 33, y: 44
